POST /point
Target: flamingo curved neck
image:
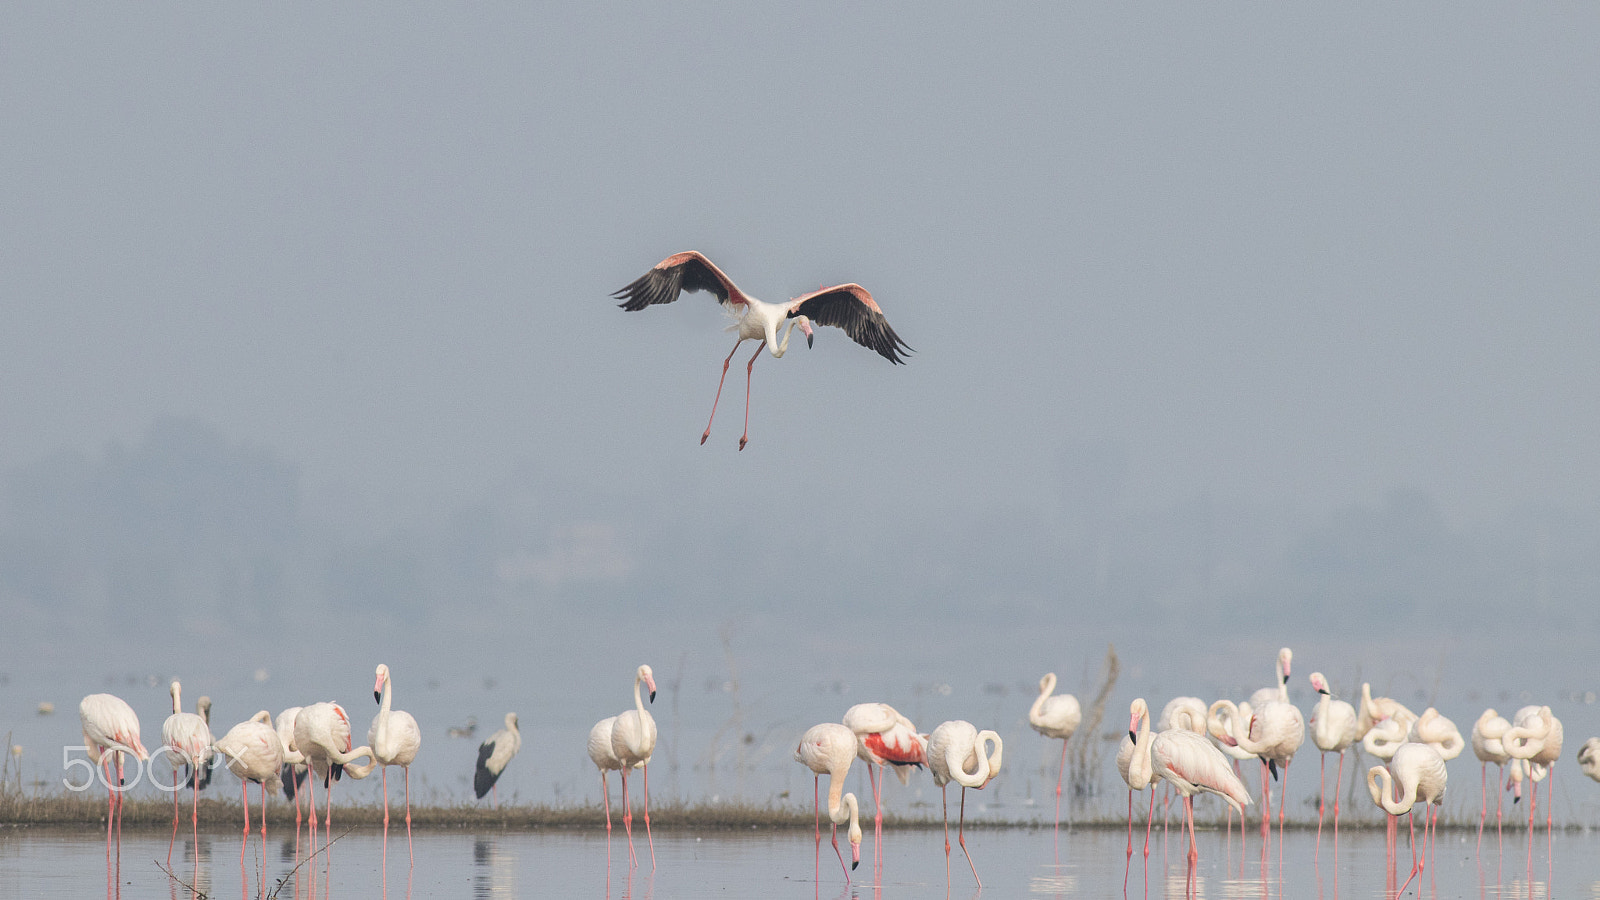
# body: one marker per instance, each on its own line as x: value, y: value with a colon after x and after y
x: 380, y: 733
x: 1386, y: 795
x: 1141, y: 770
x: 1046, y: 686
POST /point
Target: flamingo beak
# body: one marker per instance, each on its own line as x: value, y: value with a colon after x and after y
x: 651, y: 683
x: 377, y: 697
x: 805, y: 326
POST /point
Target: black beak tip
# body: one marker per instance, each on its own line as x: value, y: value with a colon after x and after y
x: 652, y: 696
x: 377, y: 697
x: 1133, y: 737
x: 853, y: 864
x: 1285, y: 679
x: 809, y: 339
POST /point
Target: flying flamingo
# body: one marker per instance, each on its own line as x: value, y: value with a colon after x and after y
x: 1589, y: 758
x: 1333, y: 730
x: 1055, y: 716
x: 829, y: 749
x: 185, y: 736
x: 1487, y: 733
x: 848, y: 306
x: 1415, y: 774
x: 395, y: 739
x: 493, y: 756
x: 110, y: 730
x: 1136, y: 768
x: 1189, y: 763
x: 1536, y: 735
x: 633, y: 742
x: 252, y: 751
x: 957, y: 752
x: 884, y: 738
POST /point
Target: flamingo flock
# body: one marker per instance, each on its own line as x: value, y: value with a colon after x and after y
x: 1192, y: 749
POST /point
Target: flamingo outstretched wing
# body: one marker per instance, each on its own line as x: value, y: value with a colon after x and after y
x: 851, y: 307
x: 686, y: 271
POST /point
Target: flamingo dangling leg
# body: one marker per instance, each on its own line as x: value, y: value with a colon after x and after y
x: 749, y: 371
x: 719, y: 389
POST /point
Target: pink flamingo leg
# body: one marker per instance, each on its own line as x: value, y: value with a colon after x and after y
x: 648, y: 836
x: 961, y: 838
x: 1322, y: 795
x: 719, y: 389
x: 816, y: 807
x: 1338, y: 781
x: 627, y: 818
x: 1416, y: 863
x: 944, y: 806
x: 1061, y: 773
x: 605, y: 797
x: 1194, y: 851
x: 1483, y: 792
x: 1128, y: 868
x: 384, y: 778
x: 749, y: 369
x: 411, y: 854
x: 174, y: 839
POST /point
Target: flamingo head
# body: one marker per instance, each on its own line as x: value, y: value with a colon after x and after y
x: 649, y: 679
x: 805, y: 328
x: 1319, y: 682
x: 1136, y: 713
x: 1285, y: 656
x: 377, y: 688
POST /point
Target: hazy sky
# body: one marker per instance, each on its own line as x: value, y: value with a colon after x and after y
x: 1277, y: 256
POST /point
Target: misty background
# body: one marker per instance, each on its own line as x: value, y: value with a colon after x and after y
x: 1235, y: 328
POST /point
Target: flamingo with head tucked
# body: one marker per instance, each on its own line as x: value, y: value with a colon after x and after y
x: 252, y: 751
x: 829, y: 749
x: 884, y: 737
x: 1589, y: 758
x: 1055, y: 716
x: 847, y: 306
x: 1487, y: 733
x: 322, y: 735
x: 1536, y: 735
x: 957, y: 751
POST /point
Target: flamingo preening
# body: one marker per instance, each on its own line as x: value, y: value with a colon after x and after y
x: 1190, y: 764
x: 110, y: 731
x: 1536, y: 735
x: 493, y: 756
x: 252, y: 751
x: 1415, y: 774
x: 1333, y: 730
x: 322, y: 736
x: 1055, y: 716
x: 395, y: 739
x: 829, y: 749
x: 848, y: 306
x: 1589, y: 758
x: 957, y: 752
x: 884, y: 737
x: 185, y: 736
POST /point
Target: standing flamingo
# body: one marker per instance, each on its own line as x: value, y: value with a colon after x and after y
x: 1135, y: 767
x: 633, y: 742
x: 322, y: 734
x: 956, y: 752
x: 1333, y: 730
x: 1274, y: 733
x: 202, y: 778
x: 884, y: 737
x: 1190, y: 764
x: 1438, y: 732
x: 1055, y: 716
x: 110, y: 731
x: 1373, y: 710
x: 395, y: 739
x: 1589, y: 758
x: 1536, y: 735
x: 295, y: 770
x: 1415, y: 773
x: 185, y: 736
x: 493, y: 756
x: 1487, y: 733
x: 829, y: 749
x: 848, y: 306
x: 252, y: 751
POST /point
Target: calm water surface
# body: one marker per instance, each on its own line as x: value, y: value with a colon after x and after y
x: 1013, y: 863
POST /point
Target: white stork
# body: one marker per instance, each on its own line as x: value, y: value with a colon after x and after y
x: 848, y: 306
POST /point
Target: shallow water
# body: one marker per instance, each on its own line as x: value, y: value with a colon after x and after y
x: 1013, y: 862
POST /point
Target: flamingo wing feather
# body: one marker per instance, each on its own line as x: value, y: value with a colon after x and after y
x: 851, y: 307
x: 687, y: 271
